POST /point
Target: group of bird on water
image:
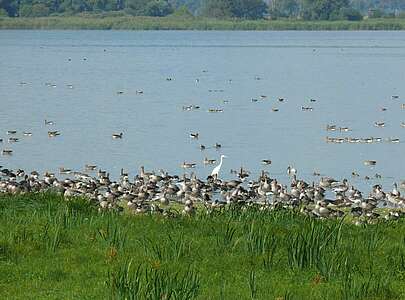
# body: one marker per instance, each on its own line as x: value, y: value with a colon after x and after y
x: 172, y: 195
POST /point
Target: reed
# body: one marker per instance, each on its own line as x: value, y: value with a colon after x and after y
x: 105, y: 22
x: 52, y: 248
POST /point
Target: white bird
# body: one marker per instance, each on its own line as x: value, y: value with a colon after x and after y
x: 216, y: 170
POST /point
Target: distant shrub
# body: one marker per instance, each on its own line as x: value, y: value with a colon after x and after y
x: 158, y: 8
x: 36, y: 10
x: 3, y: 12
x: 182, y: 12
x: 350, y: 14
x: 375, y: 13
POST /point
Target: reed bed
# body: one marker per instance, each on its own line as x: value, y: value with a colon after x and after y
x: 102, y: 22
x: 54, y: 248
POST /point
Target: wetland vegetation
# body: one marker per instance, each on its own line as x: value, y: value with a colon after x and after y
x: 56, y: 248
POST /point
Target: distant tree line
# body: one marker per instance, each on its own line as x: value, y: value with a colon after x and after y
x: 222, y: 9
x: 335, y: 9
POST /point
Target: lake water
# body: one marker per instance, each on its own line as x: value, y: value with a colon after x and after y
x: 352, y: 75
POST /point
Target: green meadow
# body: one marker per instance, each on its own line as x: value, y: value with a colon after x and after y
x: 51, y: 248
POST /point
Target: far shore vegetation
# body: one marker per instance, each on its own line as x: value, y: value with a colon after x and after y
x: 105, y: 22
x: 203, y: 14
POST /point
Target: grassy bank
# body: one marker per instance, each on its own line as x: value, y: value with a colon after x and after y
x: 175, y: 23
x: 56, y: 249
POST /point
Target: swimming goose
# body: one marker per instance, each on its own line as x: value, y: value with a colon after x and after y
x: 379, y: 124
x: 13, y: 140
x: 10, y: 132
x: 49, y: 122
x: 187, y: 165
x: 88, y: 167
x: 117, y: 135
x: 266, y: 161
x: 217, y: 146
x: 209, y: 161
x: 7, y: 152
x: 215, y: 110
x: 370, y: 162
x: 202, y: 147
x: 27, y: 133
x: 275, y: 109
x: 53, y: 133
x: 291, y: 171
x: 194, y: 135
x: 393, y: 140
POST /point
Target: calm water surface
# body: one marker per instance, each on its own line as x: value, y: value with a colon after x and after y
x: 352, y: 75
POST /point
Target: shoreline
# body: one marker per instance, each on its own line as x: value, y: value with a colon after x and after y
x: 146, y: 192
x: 100, y: 22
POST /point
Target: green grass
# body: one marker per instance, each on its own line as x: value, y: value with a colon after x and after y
x: 106, y: 22
x: 56, y: 249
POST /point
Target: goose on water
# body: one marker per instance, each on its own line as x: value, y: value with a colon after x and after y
x: 291, y: 171
x: 370, y: 162
x: 7, y: 152
x: 187, y: 165
x: 209, y: 161
x: 117, y: 135
x: 53, y: 133
x: 194, y: 135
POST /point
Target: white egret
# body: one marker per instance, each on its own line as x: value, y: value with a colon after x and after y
x: 216, y: 170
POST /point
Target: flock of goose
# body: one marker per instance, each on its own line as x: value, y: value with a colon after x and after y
x: 160, y: 192
x: 171, y: 195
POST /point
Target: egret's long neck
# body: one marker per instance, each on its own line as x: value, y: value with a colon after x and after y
x: 220, y: 163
